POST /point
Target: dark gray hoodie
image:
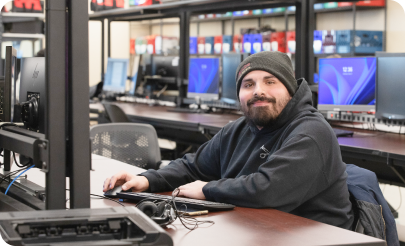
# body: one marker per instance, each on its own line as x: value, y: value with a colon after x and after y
x: 294, y: 166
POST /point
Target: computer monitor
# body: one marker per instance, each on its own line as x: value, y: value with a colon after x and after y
x: 116, y: 75
x: 165, y: 66
x: 230, y: 63
x: 390, y: 88
x: 33, y: 97
x: 347, y: 84
x: 203, y: 78
x: 136, y: 74
x: 10, y: 86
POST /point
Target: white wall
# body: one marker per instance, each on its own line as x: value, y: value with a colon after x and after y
x: 365, y: 20
x: 395, y: 27
x: 120, y: 32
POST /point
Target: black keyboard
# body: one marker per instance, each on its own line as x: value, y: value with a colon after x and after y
x: 342, y: 133
x: 190, y: 203
x: 186, y: 110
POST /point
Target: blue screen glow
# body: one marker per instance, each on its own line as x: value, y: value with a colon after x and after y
x: 347, y: 81
x: 203, y: 75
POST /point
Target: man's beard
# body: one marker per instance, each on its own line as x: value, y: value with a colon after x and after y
x: 264, y: 115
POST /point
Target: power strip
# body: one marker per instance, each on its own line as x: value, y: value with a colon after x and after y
x: 360, y: 118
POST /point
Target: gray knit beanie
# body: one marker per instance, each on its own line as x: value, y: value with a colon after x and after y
x: 274, y: 62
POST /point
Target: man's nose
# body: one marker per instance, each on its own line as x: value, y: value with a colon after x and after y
x: 259, y: 90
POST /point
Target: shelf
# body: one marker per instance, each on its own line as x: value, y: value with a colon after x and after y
x: 243, y: 17
x: 22, y: 36
x: 166, y: 80
x: 278, y: 14
x: 347, y: 8
x: 172, y: 9
x: 343, y: 54
x: 21, y: 17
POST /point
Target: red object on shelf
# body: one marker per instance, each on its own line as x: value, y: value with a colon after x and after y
x: 143, y: 2
x: 291, y: 42
x: 266, y: 36
x: 201, y: 45
x: 344, y: 4
x: 278, y: 41
x: 132, y: 46
x: 27, y: 6
x: 237, y: 43
x: 109, y: 4
x: 218, y: 44
x: 151, y: 46
x: 374, y: 3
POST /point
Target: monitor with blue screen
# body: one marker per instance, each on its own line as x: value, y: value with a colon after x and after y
x: 203, y: 78
x: 116, y: 75
x: 136, y: 74
x: 347, y: 84
x: 230, y: 63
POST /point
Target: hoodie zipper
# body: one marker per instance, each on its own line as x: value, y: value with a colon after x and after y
x: 382, y: 217
x: 263, y: 155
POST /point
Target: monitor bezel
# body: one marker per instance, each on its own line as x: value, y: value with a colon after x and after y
x: 205, y: 96
x: 378, y: 113
x: 241, y: 57
x: 135, y: 77
x: 353, y: 107
x: 114, y: 88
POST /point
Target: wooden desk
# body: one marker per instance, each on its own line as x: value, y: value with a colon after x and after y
x: 238, y: 227
x: 382, y: 153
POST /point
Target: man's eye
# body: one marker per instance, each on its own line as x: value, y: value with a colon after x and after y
x: 270, y: 82
x: 247, y: 85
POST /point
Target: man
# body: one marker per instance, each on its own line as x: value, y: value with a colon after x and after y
x: 282, y: 154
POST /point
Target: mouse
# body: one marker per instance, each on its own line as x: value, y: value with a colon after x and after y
x: 113, y: 192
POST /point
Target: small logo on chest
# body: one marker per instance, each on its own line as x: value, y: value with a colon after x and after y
x: 266, y: 154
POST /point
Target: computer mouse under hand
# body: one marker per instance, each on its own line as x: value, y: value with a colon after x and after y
x: 113, y: 192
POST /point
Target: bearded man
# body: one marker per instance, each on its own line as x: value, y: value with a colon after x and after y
x: 281, y: 154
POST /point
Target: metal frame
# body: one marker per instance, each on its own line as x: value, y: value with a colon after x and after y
x: 183, y: 10
x: 64, y: 150
x: 78, y: 151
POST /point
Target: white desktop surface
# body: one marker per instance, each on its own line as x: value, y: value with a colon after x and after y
x: 102, y: 168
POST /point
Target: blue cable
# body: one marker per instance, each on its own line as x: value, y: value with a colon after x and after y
x: 17, y: 178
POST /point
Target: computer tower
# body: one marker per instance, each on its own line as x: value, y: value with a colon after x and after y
x: 247, y: 43
x: 328, y: 41
x: 291, y: 42
x: 368, y: 41
x: 193, y: 45
x: 266, y: 39
x: 201, y: 45
x: 278, y: 41
x: 317, y: 42
x: 256, y: 43
x: 209, y: 45
x: 226, y: 43
x: 237, y: 43
x: 218, y: 44
x: 343, y: 41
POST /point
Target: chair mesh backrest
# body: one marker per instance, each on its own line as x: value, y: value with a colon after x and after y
x: 132, y: 143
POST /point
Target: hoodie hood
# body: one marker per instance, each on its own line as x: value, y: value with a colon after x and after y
x: 301, y: 101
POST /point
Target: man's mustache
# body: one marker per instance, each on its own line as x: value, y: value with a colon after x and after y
x: 262, y: 99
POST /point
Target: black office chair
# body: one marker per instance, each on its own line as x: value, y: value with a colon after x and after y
x: 115, y: 113
x: 132, y: 143
x: 373, y: 216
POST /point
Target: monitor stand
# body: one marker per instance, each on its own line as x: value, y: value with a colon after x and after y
x: 197, y: 110
x: 186, y: 110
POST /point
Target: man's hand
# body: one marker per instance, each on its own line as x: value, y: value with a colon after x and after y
x: 193, y: 190
x: 127, y: 180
